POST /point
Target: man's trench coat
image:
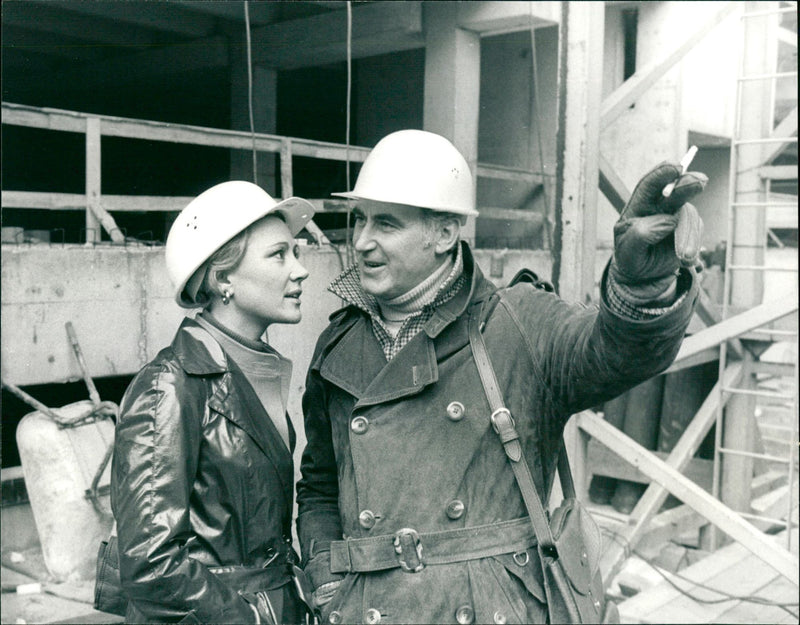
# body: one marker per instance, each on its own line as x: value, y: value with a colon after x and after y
x: 408, y: 445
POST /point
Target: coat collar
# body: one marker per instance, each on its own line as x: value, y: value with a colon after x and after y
x: 354, y: 361
x: 197, y: 351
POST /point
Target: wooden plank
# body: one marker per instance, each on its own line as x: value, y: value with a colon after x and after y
x: 630, y: 91
x: 287, y: 188
x: 612, y: 186
x: 93, y: 165
x: 736, y: 326
x: 498, y: 172
x: 699, y: 358
x: 57, y: 119
x: 605, y: 462
x: 579, y: 94
x: 727, y: 520
x: 512, y: 214
x: 77, y: 201
x: 655, y: 495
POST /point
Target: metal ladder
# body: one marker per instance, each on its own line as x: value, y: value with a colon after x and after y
x: 758, y: 148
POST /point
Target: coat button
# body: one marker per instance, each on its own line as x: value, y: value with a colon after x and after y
x: 335, y: 617
x: 366, y: 519
x: 465, y: 615
x: 455, y: 411
x: 455, y: 509
x: 359, y: 425
x: 500, y: 618
x: 372, y: 616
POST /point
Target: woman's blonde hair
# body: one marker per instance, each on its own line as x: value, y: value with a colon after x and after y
x: 225, y: 259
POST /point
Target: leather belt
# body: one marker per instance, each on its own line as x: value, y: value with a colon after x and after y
x: 412, y: 551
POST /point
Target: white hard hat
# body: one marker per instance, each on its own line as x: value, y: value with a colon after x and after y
x: 216, y: 216
x: 416, y: 168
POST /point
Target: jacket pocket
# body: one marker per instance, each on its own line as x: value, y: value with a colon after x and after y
x: 338, y: 599
x: 521, y: 579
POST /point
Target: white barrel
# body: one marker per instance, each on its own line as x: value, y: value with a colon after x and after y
x: 59, y: 465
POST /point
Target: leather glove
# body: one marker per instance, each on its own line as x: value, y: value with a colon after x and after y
x: 645, y: 263
x: 324, y: 583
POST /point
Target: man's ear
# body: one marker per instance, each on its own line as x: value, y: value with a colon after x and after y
x: 447, y: 235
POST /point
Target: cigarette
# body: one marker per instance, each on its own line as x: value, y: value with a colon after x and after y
x: 685, y: 162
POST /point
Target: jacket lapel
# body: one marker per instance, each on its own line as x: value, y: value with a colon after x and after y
x: 237, y: 401
x: 199, y: 354
x: 356, y: 358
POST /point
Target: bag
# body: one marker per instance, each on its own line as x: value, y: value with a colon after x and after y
x: 569, y: 543
x: 108, y: 595
x: 572, y: 580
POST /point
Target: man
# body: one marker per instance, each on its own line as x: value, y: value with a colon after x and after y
x: 408, y: 508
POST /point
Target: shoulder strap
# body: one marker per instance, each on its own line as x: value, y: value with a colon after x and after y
x: 503, y: 425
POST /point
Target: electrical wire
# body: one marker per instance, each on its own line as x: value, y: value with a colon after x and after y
x: 538, y: 119
x: 620, y: 540
x: 348, y: 244
x: 725, y: 596
x: 250, y: 89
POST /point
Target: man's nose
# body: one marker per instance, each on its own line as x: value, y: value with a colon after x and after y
x: 363, y: 240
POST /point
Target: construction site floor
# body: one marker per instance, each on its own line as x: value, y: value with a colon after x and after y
x: 28, y: 596
x: 701, y: 592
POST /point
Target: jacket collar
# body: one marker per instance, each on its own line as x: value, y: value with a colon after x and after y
x: 197, y: 351
x: 354, y: 361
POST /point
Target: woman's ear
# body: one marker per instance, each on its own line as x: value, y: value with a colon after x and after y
x: 447, y: 235
x: 219, y: 281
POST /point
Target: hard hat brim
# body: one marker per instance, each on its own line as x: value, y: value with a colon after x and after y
x: 352, y: 195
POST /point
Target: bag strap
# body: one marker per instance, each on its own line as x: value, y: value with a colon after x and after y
x: 503, y: 425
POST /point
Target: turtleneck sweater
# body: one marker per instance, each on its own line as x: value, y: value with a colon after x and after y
x: 396, y: 310
x: 266, y: 370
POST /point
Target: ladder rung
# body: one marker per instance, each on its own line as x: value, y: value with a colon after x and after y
x: 768, y: 76
x: 765, y: 140
x: 769, y: 12
x: 751, y: 454
x: 754, y: 393
x: 762, y: 268
x: 765, y: 204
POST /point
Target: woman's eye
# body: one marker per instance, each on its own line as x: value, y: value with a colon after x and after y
x: 280, y: 254
x: 296, y: 251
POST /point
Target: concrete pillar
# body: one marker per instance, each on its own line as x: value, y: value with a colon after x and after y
x: 452, y: 83
x: 579, y: 89
x: 265, y: 83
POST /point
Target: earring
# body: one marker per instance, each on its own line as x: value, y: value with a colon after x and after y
x: 226, y: 296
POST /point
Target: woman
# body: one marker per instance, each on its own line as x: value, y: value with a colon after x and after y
x: 202, y: 476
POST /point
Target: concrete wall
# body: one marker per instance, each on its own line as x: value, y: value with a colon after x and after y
x: 119, y: 301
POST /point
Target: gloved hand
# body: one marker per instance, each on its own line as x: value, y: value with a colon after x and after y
x: 324, y: 583
x: 645, y: 263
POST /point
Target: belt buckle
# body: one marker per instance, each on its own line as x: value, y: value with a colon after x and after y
x: 408, y: 548
x: 499, y: 413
